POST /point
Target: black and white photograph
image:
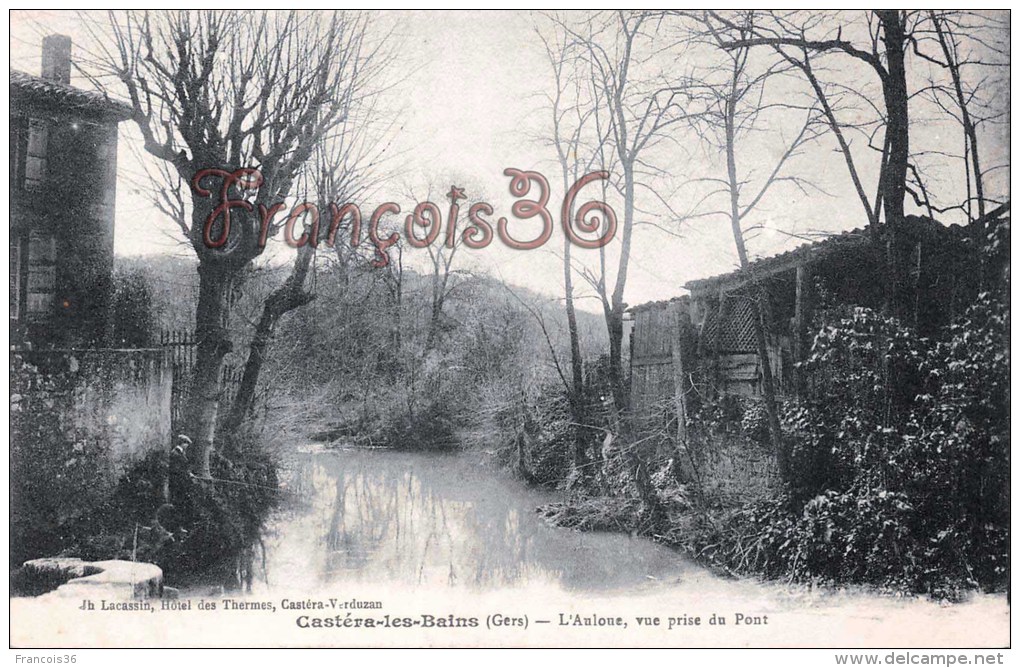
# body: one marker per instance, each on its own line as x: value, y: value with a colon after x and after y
x: 610, y: 328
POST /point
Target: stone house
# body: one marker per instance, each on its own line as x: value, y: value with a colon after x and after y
x: 63, y: 179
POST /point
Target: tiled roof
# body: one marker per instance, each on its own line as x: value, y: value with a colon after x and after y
x: 843, y: 240
x: 682, y: 300
x: 60, y: 94
x: 915, y: 225
x: 856, y: 238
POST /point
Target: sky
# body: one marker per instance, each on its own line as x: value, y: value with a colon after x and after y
x: 467, y: 103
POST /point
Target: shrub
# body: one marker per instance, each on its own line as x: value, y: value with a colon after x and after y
x: 534, y: 435
x: 754, y: 420
x: 599, y: 513
x: 902, y: 460
x: 224, y: 518
x: 431, y: 428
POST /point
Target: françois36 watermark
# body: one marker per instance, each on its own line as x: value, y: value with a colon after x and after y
x: 422, y: 226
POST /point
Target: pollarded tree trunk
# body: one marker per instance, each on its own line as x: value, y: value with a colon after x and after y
x: 218, y: 270
x: 212, y: 345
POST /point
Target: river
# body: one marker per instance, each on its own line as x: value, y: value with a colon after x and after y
x: 427, y: 519
x: 451, y: 529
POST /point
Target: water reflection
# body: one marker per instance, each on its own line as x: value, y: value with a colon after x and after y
x: 405, y: 518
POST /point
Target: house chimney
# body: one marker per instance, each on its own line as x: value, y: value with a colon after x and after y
x: 56, y: 58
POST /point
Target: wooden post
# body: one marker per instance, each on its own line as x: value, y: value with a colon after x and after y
x: 801, y: 320
x: 917, y: 287
x: 682, y: 331
x: 682, y: 352
x: 678, y: 325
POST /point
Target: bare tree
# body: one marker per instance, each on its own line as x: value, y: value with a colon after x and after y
x: 739, y: 103
x: 884, y: 52
x: 635, y: 107
x: 957, y: 42
x: 232, y: 91
x: 441, y: 279
x: 840, y: 127
x: 571, y: 115
x: 431, y: 226
x: 881, y: 40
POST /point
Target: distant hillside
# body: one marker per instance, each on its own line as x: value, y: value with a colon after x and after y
x: 173, y: 286
x: 590, y: 326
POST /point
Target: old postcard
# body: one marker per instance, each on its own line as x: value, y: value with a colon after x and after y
x: 671, y: 328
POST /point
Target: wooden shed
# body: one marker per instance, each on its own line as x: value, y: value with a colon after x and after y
x: 706, y: 339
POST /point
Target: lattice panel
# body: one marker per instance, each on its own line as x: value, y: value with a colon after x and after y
x: 731, y: 328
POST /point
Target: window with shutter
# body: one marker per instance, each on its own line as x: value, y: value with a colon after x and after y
x: 35, y: 157
x: 42, y: 274
x: 15, y: 277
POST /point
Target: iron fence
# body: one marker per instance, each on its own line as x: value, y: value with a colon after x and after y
x: 180, y: 349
